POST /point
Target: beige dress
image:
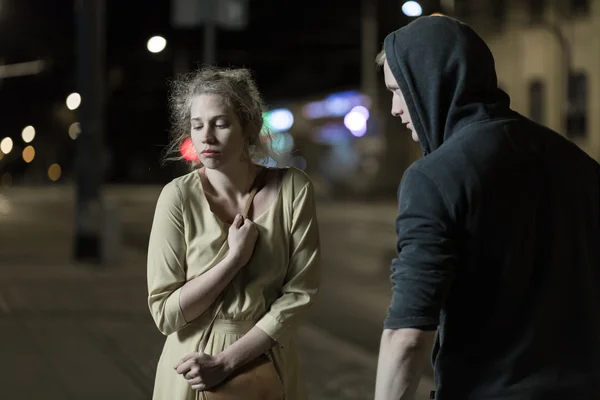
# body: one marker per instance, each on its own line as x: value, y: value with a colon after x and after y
x: 274, y: 291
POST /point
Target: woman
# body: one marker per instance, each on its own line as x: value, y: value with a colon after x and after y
x: 258, y: 275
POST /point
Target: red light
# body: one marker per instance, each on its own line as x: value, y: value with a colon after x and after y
x: 188, y: 151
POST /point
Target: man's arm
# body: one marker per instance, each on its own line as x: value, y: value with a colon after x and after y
x: 402, y: 357
x: 422, y: 275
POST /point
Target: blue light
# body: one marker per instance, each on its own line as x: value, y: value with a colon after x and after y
x: 362, y: 110
x: 280, y: 119
x: 412, y: 9
x: 360, y: 132
x: 268, y: 162
x: 315, y: 110
x: 299, y: 162
x: 356, y: 123
x: 282, y: 142
x: 336, y: 105
x: 332, y: 134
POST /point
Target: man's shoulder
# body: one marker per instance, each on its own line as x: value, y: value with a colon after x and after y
x: 448, y: 163
x: 471, y: 151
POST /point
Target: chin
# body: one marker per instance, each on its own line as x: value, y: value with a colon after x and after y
x: 210, y: 163
x: 415, y: 137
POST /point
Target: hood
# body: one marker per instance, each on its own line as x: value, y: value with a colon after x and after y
x: 447, y: 75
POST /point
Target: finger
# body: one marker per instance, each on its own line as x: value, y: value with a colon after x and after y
x: 195, y: 381
x: 200, y: 386
x: 248, y: 225
x: 184, y: 359
x: 192, y: 373
x: 238, y: 220
x: 186, y: 366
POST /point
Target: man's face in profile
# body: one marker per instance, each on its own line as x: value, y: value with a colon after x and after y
x: 399, y: 108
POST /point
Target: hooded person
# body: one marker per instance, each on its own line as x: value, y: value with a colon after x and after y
x: 498, y: 235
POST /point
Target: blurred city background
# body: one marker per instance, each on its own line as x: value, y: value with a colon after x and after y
x: 83, y: 100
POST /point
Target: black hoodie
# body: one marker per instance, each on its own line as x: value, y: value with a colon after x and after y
x: 498, y: 230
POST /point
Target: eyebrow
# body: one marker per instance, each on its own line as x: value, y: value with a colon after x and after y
x: 213, y: 118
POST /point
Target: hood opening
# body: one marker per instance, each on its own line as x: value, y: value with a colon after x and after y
x: 447, y: 75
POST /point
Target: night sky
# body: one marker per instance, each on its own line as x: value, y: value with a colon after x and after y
x: 296, y: 49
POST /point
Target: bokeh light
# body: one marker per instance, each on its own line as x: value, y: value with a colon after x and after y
x: 356, y: 123
x: 156, y: 44
x: 28, y: 134
x: 74, y: 130
x: 73, y: 101
x: 188, y: 151
x: 279, y: 120
x: 28, y: 154
x: 6, y: 145
x: 412, y: 9
x: 54, y: 172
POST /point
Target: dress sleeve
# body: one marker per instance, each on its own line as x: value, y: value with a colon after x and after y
x: 303, y: 274
x: 166, y: 261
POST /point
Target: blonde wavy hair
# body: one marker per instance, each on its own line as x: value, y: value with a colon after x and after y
x: 238, y: 88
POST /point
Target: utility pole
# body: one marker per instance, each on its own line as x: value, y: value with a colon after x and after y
x: 378, y: 144
x: 210, y: 33
x: 89, y: 164
x: 373, y: 146
x: 369, y: 50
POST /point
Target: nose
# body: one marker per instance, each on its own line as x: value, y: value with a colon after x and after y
x: 207, y: 136
x: 396, y: 106
x: 397, y: 111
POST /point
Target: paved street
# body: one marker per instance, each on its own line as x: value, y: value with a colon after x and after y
x: 79, y: 332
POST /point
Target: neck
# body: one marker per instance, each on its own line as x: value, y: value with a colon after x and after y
x: 232, y: 180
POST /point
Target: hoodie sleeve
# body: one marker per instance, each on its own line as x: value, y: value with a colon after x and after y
x: 425, y: 266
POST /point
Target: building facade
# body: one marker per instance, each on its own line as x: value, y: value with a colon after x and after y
x: 547, y: 56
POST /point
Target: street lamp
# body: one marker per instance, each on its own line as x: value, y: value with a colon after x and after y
x: 28, y: 134
x: 412, y: 9
x: 6, y: 145
x: 73, y: 101
x: 157, y: 44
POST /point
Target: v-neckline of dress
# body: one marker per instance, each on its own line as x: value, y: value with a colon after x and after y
x: 227, y: 224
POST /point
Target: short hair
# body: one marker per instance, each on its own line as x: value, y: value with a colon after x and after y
x: 380, y: 59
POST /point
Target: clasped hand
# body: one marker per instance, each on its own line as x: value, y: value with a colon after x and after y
x: 242, y: 239
x: 202, y: 371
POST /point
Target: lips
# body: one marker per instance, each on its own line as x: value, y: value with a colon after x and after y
x: 209, y: 152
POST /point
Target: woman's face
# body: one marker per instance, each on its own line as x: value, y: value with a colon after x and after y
x: 216, y: 131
